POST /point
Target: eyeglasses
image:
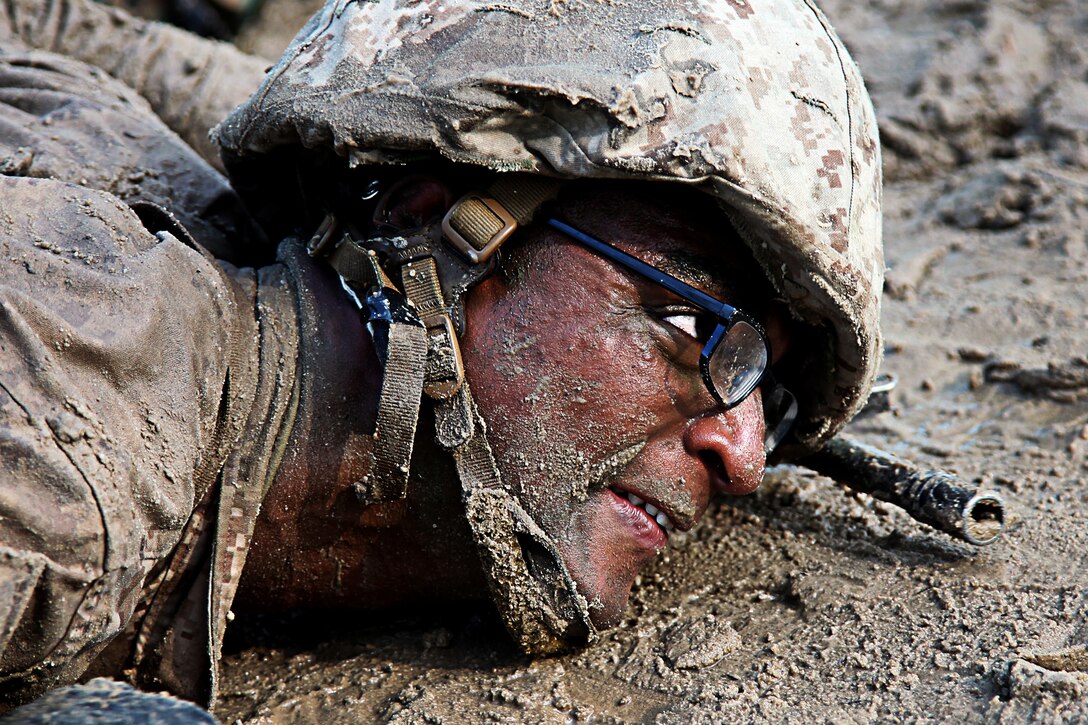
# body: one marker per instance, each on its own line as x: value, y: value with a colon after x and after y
x: 736, y: 357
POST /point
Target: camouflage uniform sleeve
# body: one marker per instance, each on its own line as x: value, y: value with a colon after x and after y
x: 118, y: 339
x: 114, y: 350
x: 191, y: 83
x: 66, y: 120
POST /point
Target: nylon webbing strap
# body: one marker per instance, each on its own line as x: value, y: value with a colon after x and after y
x: 523, y: 195
x: 358, y: 266
x: 420, y: 279
x: 529, y: 615
x: 402, y: 381
x: 445, y: 372
x: 453, y: 424
x: 398, y: 414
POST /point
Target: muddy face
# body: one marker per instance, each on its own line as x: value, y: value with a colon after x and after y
x: 589, y: 381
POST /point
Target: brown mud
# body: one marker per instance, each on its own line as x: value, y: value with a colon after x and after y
x: 803, y: 602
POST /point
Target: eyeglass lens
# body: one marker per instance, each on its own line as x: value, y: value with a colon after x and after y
x: 779, y: 412
x: 737, y: 363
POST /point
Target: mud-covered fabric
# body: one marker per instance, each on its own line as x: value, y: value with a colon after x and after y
x: 112, y: 369
x: 107, y: 702
x: 143, y: 386
x: 63, y: 119
x: 754, y: 101
x: 190, y: 82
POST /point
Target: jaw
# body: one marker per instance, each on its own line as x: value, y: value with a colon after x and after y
x: 604, y: 538
x: 604, y: 550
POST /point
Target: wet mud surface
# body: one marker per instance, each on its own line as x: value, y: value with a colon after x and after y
x: 804, y: 602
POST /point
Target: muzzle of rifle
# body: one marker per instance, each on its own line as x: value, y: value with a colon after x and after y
x: 935, y: 498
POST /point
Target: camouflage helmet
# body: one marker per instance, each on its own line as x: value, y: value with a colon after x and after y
x: 755, y: 102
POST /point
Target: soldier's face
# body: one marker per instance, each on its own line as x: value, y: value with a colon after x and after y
x: 585, y: 376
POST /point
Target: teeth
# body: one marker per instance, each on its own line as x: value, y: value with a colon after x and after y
x: 655, y: 513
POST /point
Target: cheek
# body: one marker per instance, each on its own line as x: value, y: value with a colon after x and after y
x: 561, y: 387
x: 572, y: 377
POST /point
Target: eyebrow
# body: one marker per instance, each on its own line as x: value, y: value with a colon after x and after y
x: 643, y: 268
x: 710, y: 273
x: 697, y: 270
x: 689, y: 270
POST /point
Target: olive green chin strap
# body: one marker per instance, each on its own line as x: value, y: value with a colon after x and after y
x: 538, y: 600
x: 405, y: 357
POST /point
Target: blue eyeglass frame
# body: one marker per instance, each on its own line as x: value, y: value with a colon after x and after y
x: 778, y: 403
x: 727, y: 314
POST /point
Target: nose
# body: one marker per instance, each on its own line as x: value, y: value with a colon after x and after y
x: 730, y: 445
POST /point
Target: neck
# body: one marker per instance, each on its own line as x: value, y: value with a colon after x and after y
x: 316, y: 544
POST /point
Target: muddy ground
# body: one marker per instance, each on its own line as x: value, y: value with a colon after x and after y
x: 802, y: 602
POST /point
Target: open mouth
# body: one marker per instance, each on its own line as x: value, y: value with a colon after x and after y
x: 653, y: 513
x: 644, y: 514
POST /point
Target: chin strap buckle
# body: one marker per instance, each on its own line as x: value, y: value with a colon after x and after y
x: 478, y: 224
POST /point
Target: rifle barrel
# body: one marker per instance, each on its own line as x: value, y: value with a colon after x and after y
x: 935, y: 498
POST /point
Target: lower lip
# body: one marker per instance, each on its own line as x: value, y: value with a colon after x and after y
x: 644, y: 528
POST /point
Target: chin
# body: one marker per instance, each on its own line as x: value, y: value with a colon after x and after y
x: 608, y: 615
x: 605, y: 581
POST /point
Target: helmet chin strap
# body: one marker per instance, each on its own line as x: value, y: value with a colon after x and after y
x: 535, y: 594
x: 414, y: 326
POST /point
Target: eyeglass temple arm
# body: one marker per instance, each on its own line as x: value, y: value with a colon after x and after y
x: 672, y: 284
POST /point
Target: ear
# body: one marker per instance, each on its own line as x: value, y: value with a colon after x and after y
x: 413, y: 201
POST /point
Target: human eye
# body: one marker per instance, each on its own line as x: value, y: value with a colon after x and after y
x: 685, y: 322
x: 693, y: 323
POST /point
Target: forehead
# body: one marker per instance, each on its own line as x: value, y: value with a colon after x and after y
x: 680, y: 230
